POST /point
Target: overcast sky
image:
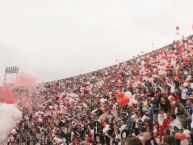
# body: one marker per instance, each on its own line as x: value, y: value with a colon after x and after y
x: 54, y: 39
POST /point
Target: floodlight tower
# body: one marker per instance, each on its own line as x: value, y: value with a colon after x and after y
x: 10, y: 70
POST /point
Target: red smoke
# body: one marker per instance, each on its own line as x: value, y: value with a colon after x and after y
x: 24, y: 79
x: 6, y: 95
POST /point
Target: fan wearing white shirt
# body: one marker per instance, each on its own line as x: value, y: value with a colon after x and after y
x: 172, y: 87
x: 161, y: 117
x: 175, y: 126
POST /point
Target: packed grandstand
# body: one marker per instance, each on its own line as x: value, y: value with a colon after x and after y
x: 148, y: 97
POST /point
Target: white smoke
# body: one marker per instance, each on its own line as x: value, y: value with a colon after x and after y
x: 9, y: 115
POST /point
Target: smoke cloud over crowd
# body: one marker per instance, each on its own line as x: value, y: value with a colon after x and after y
x: 9, y: 114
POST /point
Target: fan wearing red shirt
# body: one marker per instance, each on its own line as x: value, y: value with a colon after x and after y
x: 166, y: 123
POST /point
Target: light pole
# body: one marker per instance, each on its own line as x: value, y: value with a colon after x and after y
x: 10, y: 70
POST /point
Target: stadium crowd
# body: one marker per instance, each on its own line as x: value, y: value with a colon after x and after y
x: 86, y: 109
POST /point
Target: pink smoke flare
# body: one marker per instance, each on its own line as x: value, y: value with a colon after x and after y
x: 6, y: 95
x: 24, y: 79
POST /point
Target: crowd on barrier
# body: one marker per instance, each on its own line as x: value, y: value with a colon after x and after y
x: 87, y: 110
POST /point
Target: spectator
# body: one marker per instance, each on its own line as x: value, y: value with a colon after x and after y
x: 169, y: 139
x: 133, y: 141
x: 164, y: 144
x: 149, y: 139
